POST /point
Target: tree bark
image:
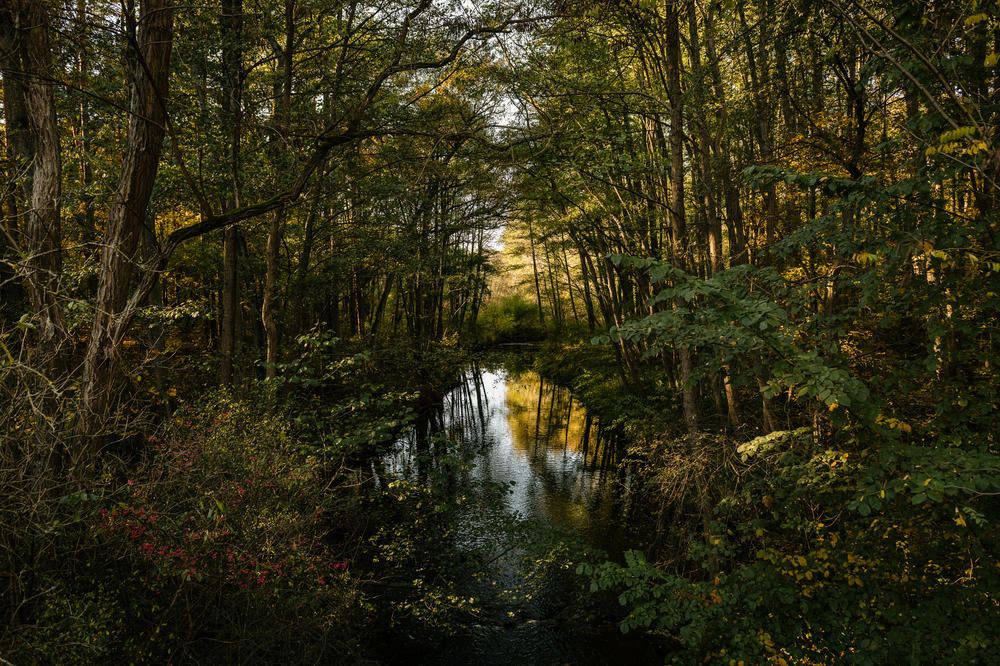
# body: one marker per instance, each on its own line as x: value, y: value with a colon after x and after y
x: 19, y: 154
x: 127, y: 211
x: 42, y: 187
x: 534, y: 272
x: 738, y: 249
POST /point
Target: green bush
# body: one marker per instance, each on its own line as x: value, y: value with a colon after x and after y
x: 216, y: 550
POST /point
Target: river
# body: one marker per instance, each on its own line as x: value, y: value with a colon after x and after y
x: 535, y: 438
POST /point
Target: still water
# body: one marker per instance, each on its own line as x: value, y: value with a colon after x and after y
x: 535, y: 438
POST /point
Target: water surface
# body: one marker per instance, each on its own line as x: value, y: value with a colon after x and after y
x: 534, y: 437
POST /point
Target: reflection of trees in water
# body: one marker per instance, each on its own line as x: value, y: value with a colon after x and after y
x: 563, y: 446
x: 460, y: 418
x: 566, y: 468
x: 546, y: 417
x: 543, y: 418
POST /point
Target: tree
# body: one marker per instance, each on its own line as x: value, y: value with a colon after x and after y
x: 33, y: 143
x: 418, y: 40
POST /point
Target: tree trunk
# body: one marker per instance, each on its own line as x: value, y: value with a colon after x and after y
x: 126, y: 215
x: 534, y: 272
x: 232, y: 94
x: 587, y: 301
x: 230, y: 304
x: 302, y: 271
x: 677, y: 217
x: 703, y: 150
x: 270, y: 289
x: 282, y: 111
x: 760, y: 87
x: 19, y: 154
x: 738, y: 249
x: 569, y: 284
x: 39, y: 148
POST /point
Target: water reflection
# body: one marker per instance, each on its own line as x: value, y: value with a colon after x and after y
x: 531, y: 434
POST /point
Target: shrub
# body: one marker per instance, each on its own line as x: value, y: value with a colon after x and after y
x: 511, y: 319
x: 215, y: 550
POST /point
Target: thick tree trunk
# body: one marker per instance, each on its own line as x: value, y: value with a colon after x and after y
x: 38, y: 150
x: 127, y: 212
x: 19, y: 154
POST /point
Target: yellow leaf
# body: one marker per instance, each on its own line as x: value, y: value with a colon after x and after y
x: 976, y: 18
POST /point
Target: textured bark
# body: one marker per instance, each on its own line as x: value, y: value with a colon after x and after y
x: 156, y: 333
x: 534, y: 273
x: 19, y: 154
x: 270, y: 288
x: 587, y: 301
x: 230, y: 303
x: 127, y: 212
x: 302, y: 271
x: 38, y: 150
x: 703, y: 149
x: 760, y: 86
x: 86, y: 218
x: 569, y: 284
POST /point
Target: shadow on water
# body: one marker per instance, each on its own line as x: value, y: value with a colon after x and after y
x: 533, y: 437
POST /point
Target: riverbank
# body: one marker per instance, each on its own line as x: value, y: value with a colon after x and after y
x: 243, y: 528
x: 265, y: 526
x: 271, y: 526
x: 764, y: 551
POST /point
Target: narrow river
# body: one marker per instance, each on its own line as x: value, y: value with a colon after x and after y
x: 534, y: 437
